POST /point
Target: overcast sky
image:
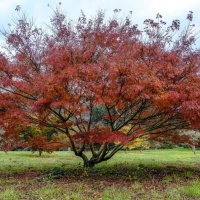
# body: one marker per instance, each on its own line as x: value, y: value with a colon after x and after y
x: 142, y: 9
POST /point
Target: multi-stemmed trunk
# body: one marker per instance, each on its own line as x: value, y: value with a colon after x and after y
x: 98, y: 156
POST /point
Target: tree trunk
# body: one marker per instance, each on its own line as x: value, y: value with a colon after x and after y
x: 194, y: 149
x: 40, y: 153
x: 88, y: 164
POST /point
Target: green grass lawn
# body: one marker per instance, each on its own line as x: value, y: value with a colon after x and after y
x: 149, y: 174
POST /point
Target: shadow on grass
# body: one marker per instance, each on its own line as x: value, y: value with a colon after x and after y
x: 139, y: 172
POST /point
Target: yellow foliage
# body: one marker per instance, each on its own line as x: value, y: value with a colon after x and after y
x: 126, y: 129
x: 138, y: 143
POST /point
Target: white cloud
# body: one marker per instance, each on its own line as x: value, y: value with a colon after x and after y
x: 5, y: 5
x: 174, y: 7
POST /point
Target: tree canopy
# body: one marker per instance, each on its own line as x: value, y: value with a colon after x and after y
x: 92, y: 78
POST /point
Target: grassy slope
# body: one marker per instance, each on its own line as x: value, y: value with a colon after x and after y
x: 151, y: 174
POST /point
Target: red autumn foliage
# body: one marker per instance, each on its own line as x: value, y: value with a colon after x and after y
x: 174, y: 138
x: 41, y: 143
x: 146, y: 79
x: 100, y: 137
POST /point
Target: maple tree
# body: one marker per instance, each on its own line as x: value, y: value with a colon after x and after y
x: 42, y: 140
x: 92, y: 78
